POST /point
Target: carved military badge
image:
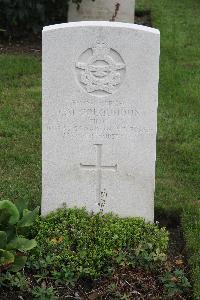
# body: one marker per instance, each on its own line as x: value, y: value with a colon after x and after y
x: 101, y: 70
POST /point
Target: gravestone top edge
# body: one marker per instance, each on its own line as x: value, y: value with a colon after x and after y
x: 101, y: 24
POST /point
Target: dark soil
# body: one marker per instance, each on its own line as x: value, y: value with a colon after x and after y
x: 143, y: 17
x: 29, y: 45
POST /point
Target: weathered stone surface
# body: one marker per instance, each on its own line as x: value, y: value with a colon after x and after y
x: 100, y: 87
x: 102, y: 10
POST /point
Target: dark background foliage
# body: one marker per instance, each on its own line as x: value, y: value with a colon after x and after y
x: 21, y: 17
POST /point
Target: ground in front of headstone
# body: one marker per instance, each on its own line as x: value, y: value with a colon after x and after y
x: 126, y: 283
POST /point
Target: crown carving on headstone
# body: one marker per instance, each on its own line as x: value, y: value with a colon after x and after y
x: 101, y: 48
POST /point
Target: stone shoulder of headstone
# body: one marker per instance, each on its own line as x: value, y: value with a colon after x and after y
x: 107, y: 24
x: 100, y: 96
x: 102, y: 10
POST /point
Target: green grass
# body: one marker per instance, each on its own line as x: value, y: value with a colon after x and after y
x: 178, y: 154
x: 178, y: 162
x: 20, y: 128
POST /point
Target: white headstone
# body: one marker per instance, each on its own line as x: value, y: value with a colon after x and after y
x: 102, y: 10
x: 100, y: 88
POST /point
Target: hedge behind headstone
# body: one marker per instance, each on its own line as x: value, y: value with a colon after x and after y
x: 20, y: 17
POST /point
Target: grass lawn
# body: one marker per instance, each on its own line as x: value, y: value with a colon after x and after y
x: 178, y: 156
x: 20, y: 128
x: 177, y: 187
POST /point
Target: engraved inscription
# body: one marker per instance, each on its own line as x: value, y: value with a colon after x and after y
x: 98, y: 167
x: 108, y: 122
x: 100, y: 70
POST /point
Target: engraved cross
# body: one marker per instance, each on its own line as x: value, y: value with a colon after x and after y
x: 98, y: 167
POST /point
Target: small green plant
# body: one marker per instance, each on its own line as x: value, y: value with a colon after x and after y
x: 73, y: 244
x: 43, y: 293
x: 14, y: 280
x: 112, y: 291
x: 14, y: 220
x: 175, y: 283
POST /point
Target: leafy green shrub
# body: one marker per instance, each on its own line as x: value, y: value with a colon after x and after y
x: 13, y: 280
x: 44, y: 293
x: 73, y: 243
x: 175, y: 283
x: 22, y: 16
x: 14, y: 220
